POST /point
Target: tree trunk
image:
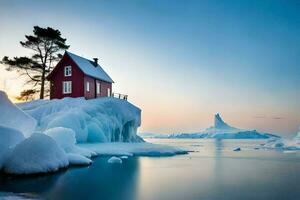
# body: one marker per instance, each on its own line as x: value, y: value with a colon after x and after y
x: 42, y: 84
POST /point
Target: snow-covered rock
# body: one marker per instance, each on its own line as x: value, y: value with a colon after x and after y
x: 13, y: 117
x: 114, y: 160
x: 221, y: 130
x: 9, y: 138
x: 97, y: 120
x: 37, y: 154
x: 76, y: 159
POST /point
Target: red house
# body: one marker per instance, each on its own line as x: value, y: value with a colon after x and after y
x: 75, y: 76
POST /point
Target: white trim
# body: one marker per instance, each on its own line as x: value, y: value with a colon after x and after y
x: 87, y: 86
x: 98, y: 87
x: 67, y: 87
x: 68, y: 70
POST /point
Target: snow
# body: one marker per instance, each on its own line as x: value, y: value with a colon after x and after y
x: 76, y: 159
x: 70, y: 131
x: 37, y: 154
x: 13, y: 117
x: 64, y: 137
x: 133, y: 149
x: 114, y: 160
x: 124, y: 157
x: 220, y: 130
x: 89, y: 69
x: 99, y: 120
x: 9, y: 138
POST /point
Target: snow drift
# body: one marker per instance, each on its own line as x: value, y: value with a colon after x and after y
x: 12, y: 117
x: 36, y: 154
x: 97, y: 120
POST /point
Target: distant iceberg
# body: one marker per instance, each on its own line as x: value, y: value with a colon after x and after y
x: 220, y: 130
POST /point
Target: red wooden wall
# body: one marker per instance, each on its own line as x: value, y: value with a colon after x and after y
x: 79, y: 81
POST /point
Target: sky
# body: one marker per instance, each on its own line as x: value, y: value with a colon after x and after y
x: 179, y: 61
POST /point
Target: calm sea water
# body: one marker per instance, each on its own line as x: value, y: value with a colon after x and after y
x: 213, y: 171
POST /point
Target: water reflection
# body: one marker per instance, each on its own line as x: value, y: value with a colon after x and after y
x: 100, y: 180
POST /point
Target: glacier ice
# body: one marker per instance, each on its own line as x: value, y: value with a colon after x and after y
x: 97, y: 120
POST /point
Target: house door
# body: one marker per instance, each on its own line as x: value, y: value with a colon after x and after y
x: 108, y: 92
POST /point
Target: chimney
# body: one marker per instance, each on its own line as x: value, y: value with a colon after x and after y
x: 95, y: 62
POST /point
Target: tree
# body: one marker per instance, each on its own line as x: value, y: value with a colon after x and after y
x: 26, y: 95
x: 47, y: 44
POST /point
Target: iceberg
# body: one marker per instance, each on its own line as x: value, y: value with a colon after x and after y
x: 220, y: 130
x: 284, y: 144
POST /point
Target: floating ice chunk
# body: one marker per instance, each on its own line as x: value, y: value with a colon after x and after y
x: 237, y: 149
x: 115, y: 159
x: 124, y: 157
x: 9, y: 138
x: 76, y: 159
x: 37, y: 154
x: 13, y: 117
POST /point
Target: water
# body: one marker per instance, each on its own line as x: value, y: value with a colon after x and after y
x: 213, y: 171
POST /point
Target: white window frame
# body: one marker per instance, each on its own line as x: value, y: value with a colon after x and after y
x: 67, y: 87
x: 98, y: 87
x: 88, y: 86
x: 68, y: 70
x: 108, y: 92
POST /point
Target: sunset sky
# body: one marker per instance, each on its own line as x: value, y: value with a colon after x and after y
x: 179, y: 61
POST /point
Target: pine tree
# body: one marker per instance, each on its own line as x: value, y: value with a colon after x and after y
x: 47, y: 44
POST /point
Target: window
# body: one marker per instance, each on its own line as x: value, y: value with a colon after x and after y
x: 87, y: 86
x: 68, y: 70
x: 108, y: 92
x: 67, y: 87
x: 98, y: 88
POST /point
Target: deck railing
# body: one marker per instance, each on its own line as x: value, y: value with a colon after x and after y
x: 119, y: 96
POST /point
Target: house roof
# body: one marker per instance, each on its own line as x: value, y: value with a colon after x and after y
x: 88, y: 68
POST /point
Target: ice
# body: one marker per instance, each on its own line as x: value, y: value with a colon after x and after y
x: 76, y: 159
x: 13, y: 117
x: 9, y: 138
x: 64, y: 137
x: 124, y: 157
x: 114, y: 160
x: 57, y: 133
x: 133, y: 149
x: 220, y: 130
x: 237, y: 149
x: 98, y: 120
x: 284, y: 144
x: 37, y: 154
